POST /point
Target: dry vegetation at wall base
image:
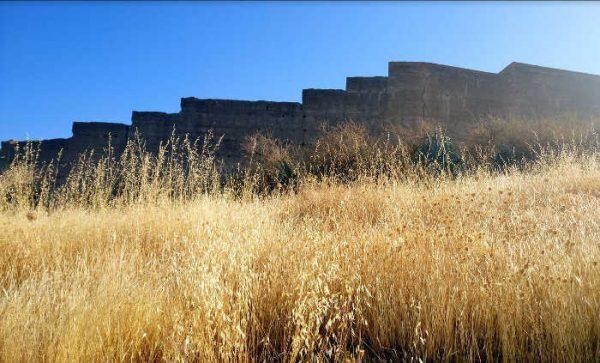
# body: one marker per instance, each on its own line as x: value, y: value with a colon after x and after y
x: 393, y: 259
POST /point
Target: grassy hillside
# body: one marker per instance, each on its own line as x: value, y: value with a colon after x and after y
x: 483, y: 265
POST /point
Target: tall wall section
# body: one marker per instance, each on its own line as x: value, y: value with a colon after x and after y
x: 455, y: 97
x: 412, y: 92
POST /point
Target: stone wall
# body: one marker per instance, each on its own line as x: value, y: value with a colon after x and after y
x: 455, y: 96
x: 87, y: 137
x: 412, y: 92
x: 236, y: 120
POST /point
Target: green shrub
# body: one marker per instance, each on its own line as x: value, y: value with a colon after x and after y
x: 438, y: 153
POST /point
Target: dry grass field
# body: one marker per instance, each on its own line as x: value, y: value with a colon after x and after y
x: 480, y: 266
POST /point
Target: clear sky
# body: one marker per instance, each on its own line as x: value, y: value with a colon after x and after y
x: 68, y: 61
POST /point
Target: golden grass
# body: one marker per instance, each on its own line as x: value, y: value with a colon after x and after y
x: 481, y: 267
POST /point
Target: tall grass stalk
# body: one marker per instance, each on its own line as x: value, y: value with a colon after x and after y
x: 155, y: 257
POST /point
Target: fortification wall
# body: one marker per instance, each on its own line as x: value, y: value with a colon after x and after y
x: 366, y: 84
x: 431, y: 93
x: 235, y: 120
x: 152, y: 127
x: 87, y: 137
x: 48, y: 149
x: 455, y: 97
x: 534, y: 90
x: 412, y: 92
x: 96, y: 136
x: 363, y: 101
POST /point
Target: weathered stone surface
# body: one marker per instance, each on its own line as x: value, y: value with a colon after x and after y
x: 366, y: 84
x: 96, y: 135
x: 412, y: 92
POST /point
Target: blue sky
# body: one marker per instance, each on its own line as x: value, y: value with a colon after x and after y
x: 67, y: 61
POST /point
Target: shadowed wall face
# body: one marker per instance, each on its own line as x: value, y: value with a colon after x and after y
x: 412, y: 92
